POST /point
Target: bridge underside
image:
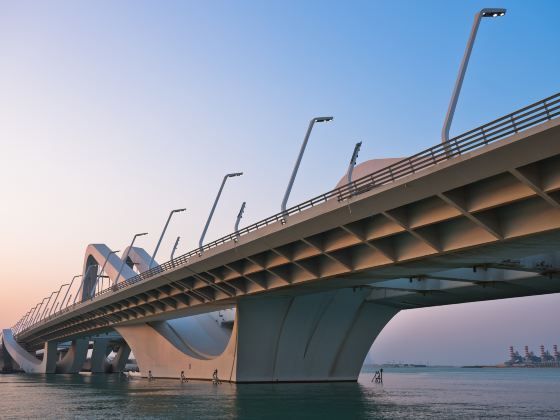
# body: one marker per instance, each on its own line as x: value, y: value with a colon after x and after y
x: 317, y: 336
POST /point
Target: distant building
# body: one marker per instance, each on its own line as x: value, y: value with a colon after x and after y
x: 529, y: 359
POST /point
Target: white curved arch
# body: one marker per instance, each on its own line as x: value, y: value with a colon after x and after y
x: 204, y: 336
x: 26, y: 361
x: 139, y: 257
x: 99, y: 254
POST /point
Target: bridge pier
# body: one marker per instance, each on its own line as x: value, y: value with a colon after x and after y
x: 74, y: 358
x: 6, y: 362
x: 119, y: 362
x: 308, y: 338
x: 99, y: 355
x: 28, y: 362
x: 316, y: 337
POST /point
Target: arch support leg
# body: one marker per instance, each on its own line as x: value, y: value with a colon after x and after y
x: 75, y: 357
x: 163, y: 352
x: 6, y: 362
x: 28, y: 362
x: 99, y: 355
x: 316, y: 337
x: 119, y: 362
x: 311, y: 338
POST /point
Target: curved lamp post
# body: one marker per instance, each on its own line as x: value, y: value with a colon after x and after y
x: 55, y: 299
x: 21, y: 322
x: 215, y: 204
x: 105, y: 263
x: 126, y: 256
x: 82, y: 284
x: 353, y: 160
x: 239, y: 216
x: 175, y: 247
x: 163, y: 233
x: 47, y: 306
x: 300, y: 156
x: 38, y: 311
x: 30, y: 317
x: 463, y: 68
x: 68, y: 290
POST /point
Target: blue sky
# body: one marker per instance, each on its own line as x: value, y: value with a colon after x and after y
x: 113, y: 113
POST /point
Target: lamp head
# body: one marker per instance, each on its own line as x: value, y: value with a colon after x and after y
x: 178, y: 210
x: 492, y: 12
x: 141, y: 234
x: 235, y: 174
x: 323, y: 119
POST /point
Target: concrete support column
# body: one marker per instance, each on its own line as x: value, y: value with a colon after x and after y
x: 6, y: 362
x: 99, y: 355
x: 75, y: 357
x: 165, y: 353
x: 121, y: 358
x: 50, y: 357
x: 315, y: 337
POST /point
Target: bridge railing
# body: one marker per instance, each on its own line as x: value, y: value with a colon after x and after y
x: 517, y: 121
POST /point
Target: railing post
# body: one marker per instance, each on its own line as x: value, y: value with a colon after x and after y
x: 457, y: 146
x: 547, y: 110
x: 433, y: 157
x: 484, y: 135
x: 513, y: 122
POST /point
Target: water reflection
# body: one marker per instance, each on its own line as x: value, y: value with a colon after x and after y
x: 421, y: 393
x: 303, y: 400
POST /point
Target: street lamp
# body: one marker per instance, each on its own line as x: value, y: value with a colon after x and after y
x: 239, y: 216
x: 353, y: 160
x: 47, y: 306
x: 55, y: 299
x: 126, y: 255
x: 463, y: 68
x: 214, y: 206
x: 21, y: 322
x: 38, y: 312
x: 300, y: 156
x: 30, y: 317
x: 67, y: 290
x: 175, y: 247
x: 82, y: 287
x: 163, y: 233
x: 105, y: 263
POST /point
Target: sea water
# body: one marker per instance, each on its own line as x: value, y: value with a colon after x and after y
x: 430, y: 393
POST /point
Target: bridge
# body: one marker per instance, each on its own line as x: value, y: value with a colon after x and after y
x: 302, y: 295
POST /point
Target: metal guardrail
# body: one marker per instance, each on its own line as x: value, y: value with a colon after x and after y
x: 520, y: 120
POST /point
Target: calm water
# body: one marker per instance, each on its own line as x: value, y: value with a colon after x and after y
x: 407, y: 393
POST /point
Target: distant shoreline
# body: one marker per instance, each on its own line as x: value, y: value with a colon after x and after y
x: 415, y: 365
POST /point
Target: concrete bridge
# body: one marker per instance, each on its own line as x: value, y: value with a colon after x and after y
x: 302, y: 295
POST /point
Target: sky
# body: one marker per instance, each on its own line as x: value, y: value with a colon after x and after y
x: 112, y: 113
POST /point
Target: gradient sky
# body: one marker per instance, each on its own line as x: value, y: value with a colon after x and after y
x: 112, y: 113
